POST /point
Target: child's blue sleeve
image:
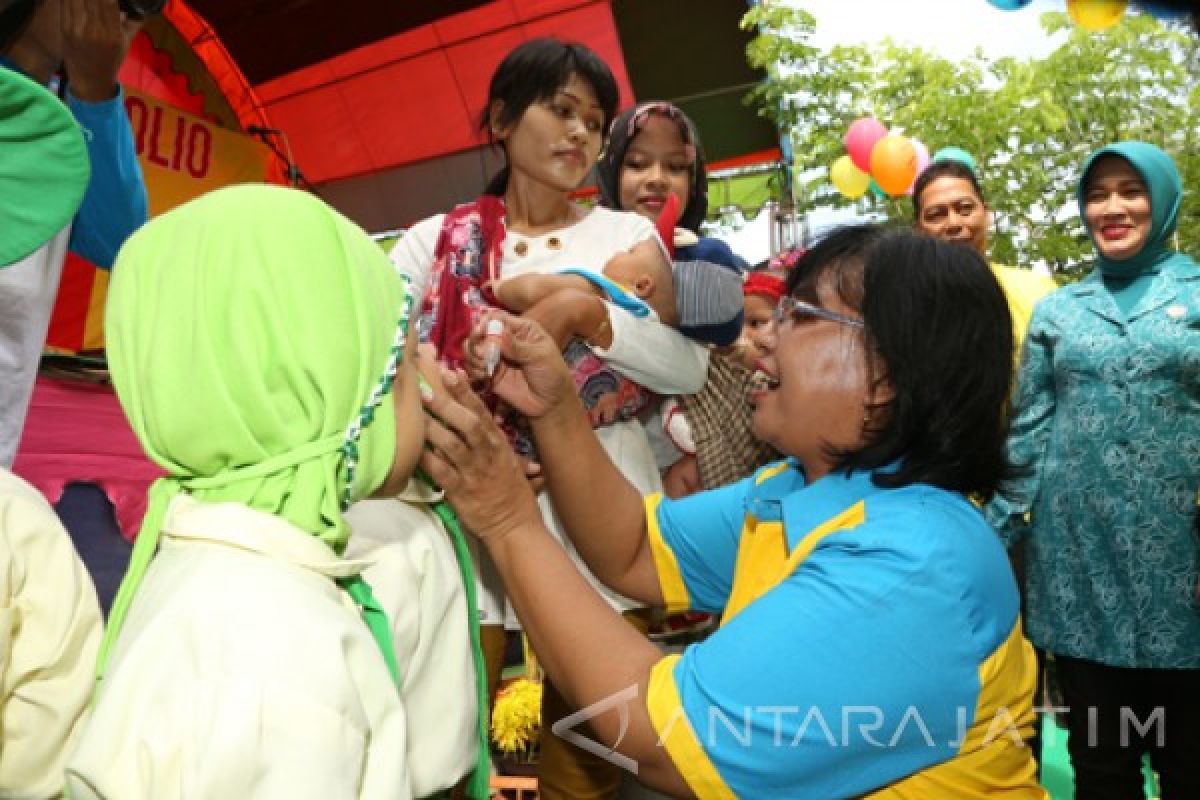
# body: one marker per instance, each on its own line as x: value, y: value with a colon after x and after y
x: 613, y: 291
x: 115, y: 203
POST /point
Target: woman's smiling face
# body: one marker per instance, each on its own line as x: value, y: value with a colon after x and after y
x: 658, y: 163
x: 818, y: 388
x: 1116, y: 207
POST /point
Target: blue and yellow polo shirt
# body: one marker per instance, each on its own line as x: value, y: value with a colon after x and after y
x: 870, y: 643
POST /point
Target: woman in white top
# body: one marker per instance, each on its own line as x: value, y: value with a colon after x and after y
x: 549, y: 104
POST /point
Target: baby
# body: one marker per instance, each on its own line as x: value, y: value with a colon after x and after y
x: 702, y: 300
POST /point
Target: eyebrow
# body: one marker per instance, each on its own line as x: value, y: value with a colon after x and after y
x: 1123, y: 183
x: 963, y: 198
x: 577, y: 98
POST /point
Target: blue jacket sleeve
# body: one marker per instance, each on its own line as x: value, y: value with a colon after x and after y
x: 115, y: 203
x: 1029, y: 431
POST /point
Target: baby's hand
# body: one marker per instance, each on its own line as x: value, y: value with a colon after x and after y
x: 519, y: 293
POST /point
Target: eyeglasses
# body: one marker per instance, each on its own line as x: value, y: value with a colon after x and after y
x: 789, y: 308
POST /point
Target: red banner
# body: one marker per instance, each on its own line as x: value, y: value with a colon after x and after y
x: 182, y: 156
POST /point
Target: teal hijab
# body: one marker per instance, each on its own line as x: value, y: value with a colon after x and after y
x: 1162, y: 181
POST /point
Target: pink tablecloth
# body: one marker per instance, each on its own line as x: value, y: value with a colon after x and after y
x: 75, y: 432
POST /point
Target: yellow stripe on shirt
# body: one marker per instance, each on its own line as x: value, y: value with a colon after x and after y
x: 670, y: 579
x: 676, y: 734
x: 770, y: 471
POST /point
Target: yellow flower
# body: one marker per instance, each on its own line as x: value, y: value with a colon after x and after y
x: 517, y: 716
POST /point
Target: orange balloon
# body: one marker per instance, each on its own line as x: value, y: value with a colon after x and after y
x: 894, y: 164
x: 1096, y: 15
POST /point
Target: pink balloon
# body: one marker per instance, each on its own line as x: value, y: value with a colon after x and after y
x: 861, y: 138
x: 922, y: 161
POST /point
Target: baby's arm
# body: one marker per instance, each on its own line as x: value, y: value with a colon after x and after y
x: 568, y: 313
x: 522, y: 292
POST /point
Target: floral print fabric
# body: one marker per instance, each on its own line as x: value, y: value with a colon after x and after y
x: 1106, y: 420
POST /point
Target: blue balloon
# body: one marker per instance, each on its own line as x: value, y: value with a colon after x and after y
x: 1010, y: 5
x: 1161, y: 10
x: 955, y: 154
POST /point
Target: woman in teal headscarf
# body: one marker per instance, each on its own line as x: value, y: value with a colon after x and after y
x: 253, y: 343
x: 1107, y: 418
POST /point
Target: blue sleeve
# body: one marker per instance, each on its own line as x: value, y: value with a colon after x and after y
x: 701, y: 533
x: 115, y: 203
x: 613, y: 292
x: 1032, y: 419
x: 861, y: 668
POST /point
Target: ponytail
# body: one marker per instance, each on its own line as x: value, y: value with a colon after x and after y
x: 499, y: 182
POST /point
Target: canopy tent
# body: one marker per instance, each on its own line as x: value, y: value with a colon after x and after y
x: 379, y: 108
x: 377, y: 111
x: 694, y: 55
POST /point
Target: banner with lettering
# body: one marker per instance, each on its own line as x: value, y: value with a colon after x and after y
x: 182, y: 156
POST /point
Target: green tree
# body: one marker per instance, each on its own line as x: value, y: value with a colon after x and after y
x: 1029, y: 123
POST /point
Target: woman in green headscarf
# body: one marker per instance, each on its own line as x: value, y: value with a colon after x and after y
x: 253, y: 341
x: 1107, y: 417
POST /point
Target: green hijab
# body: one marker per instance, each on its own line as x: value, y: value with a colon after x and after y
x: 1166, y: 192
x: 246, y: 330
x: 44, y: 167
x: 252, y: 337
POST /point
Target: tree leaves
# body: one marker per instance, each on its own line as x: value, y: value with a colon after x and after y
x: 1029, y: 123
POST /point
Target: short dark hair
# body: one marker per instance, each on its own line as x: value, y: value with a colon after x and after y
x: 946, y: 168
x: 936, y: 318
x: 534, y: 72
x: 14, y: 19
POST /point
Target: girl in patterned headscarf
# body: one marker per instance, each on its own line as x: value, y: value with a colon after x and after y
x: 653, y: 151
x: 254, y: 347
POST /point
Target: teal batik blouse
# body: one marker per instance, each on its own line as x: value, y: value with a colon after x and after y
x: 1107, y: 419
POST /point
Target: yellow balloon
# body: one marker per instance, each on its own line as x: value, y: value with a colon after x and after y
x: 848, y: 179
x: 1096, y: 15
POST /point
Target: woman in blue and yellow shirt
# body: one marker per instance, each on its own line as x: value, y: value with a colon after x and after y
x: 870, y: 642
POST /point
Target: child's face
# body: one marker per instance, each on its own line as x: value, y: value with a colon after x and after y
x: 656, y: 164
x: 410, y: 416
x: 756, y: 327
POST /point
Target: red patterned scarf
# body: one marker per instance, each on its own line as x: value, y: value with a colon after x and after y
x: 466, y: 259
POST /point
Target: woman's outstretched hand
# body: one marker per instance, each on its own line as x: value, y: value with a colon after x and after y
x: 469, y: 457
x: 531, y: 376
